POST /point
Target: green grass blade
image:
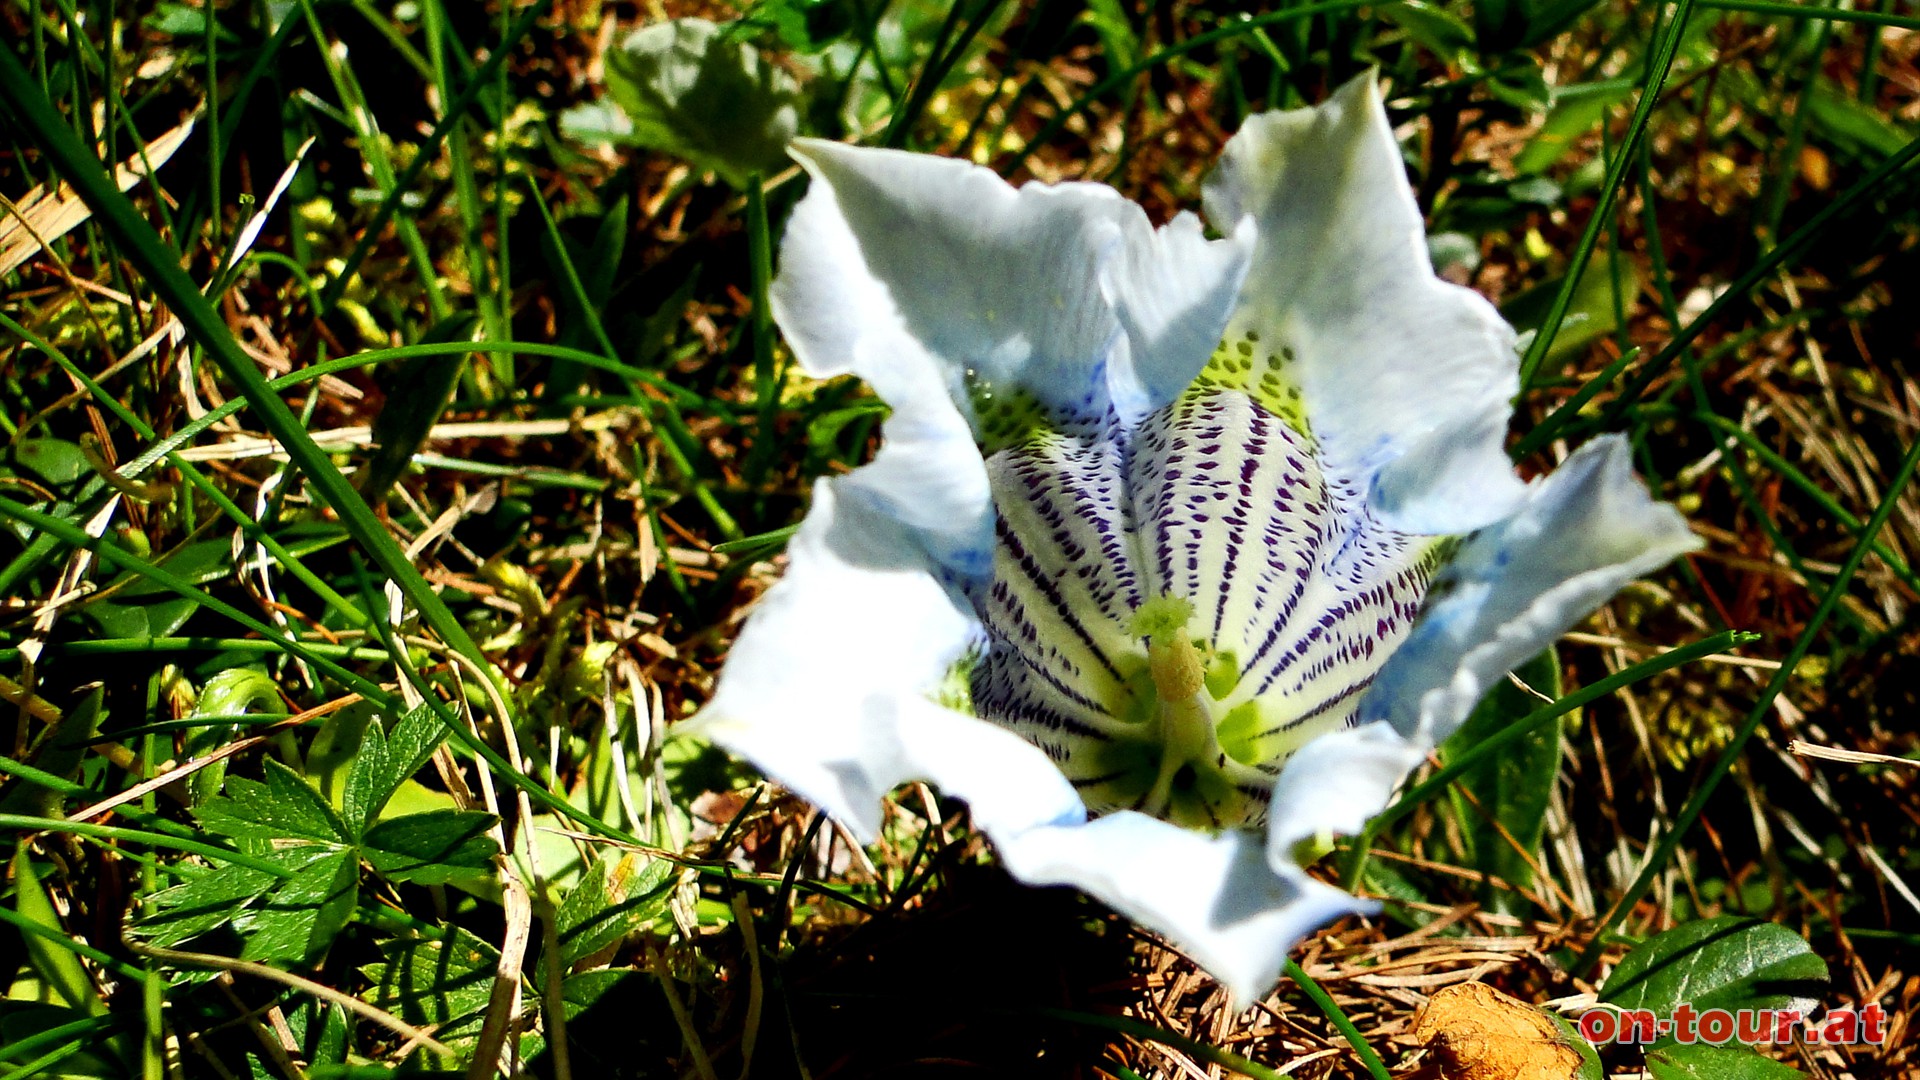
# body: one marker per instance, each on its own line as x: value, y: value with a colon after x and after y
x: 1697, y: 802
x: 1804, y: 11
x: 1420, y: 793
x: 1657, y: 70
x: 144, y: 248
x: 1738, y: 293
x: 1338, y: 1018
x: 1236, y: 29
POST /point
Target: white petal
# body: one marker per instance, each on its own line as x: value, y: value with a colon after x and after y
x: 826, y: 689
x: 994, y: 284
x: 1009, y: 784
x: 928, y: 474
x: 1332, y: 785
x: 1406, y: 378
x: 1173, y: 290
x: 1511, y: 589
x: 1216, y: 898
x: 857, y: 624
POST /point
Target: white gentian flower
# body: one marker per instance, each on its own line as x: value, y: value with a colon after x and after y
x: 1178, y: 552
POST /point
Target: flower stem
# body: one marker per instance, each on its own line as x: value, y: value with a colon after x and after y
x: 1336, y: 1016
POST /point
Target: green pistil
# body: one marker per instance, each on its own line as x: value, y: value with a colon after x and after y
x: 1182, y: 721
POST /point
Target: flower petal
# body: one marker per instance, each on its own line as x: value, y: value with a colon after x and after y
x: 1059, y: 294
x: 1579, y: 535
x: 928, y: 474
x: 1406, y: 378
x: 1215, y: 898
x: 1174, y: 291
x: 1332, y: 785
x: 857, y: 624
x: 1010, y: 785
x: 998, y: 286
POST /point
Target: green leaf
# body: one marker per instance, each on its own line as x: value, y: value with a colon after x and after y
x: 1509, y: 793
x: 142, y: 608
x: 689, y: 88
x: 1730, y: 962
x: 60, y: 967
x: 299, y: 920
x: 1841, y: 117
x: 54, y: 462
x: 237, y: 690
x: 1590, y: 1066
x: 618, y: 1024
x: 387, y: 759
x: 189, y: 23
x: 229, y: 693
x: 1703, y: 1062
x: 215, y: 897
x: 596, y: 271
x: 337, y: 747
x: 1119, y: 43
x: 1576, y: 111
x: 60, y: 751
x: 416, y: 394
x: 621, y: 894
x: 444, y: 981
x: 282, y: 808
x: 29, y: 1029
x: 1592, y: 315
x: 1443, y: 33
x: 432, y: 848
x: 808, y: 26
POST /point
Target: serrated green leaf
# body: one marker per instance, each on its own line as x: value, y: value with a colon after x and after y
x: 1507, y: 796
x: 809, y: 26
x: 282, y: 808
x: 1731, y: 962
x: 298, y: 920
x: 622, y: 893
x: 386, y: 760
x: 1704, y: 1062
x: 213, y: 899
x: 443, y: 981
x: 689, y: 88
x: 432, y: 848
